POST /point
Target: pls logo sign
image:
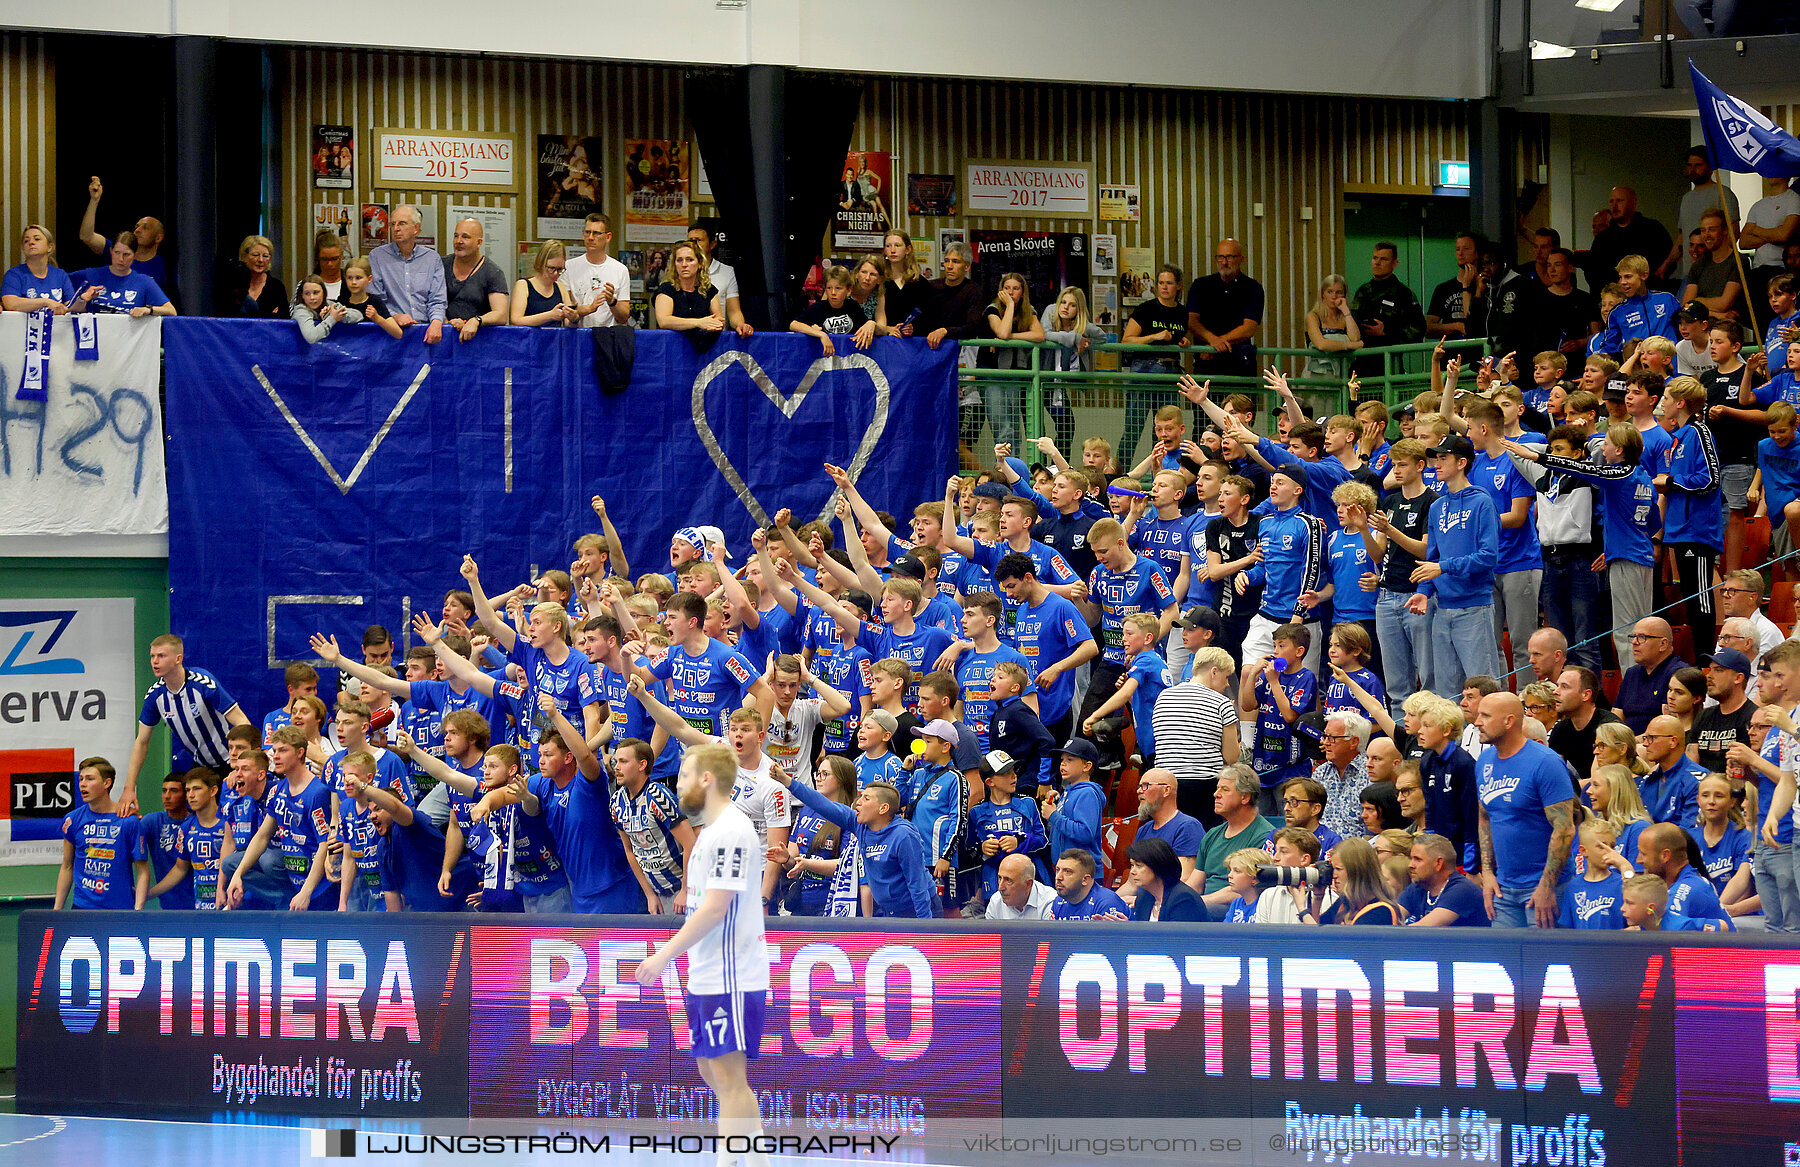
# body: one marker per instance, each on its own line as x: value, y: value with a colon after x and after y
x: 66, y: 693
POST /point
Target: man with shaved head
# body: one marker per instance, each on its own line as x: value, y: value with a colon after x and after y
x: 409, y: 276
x: 1646, y: 683
x: 1548, y: 650
x: 1225, y: 312
x: 1671, y: 789
x: 1527, y: 817
x: 1629, y: 233
x: 1021, y: 895
x: 474, y: 286
x: 1662, y: 851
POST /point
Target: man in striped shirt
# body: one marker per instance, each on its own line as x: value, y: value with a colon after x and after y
x: 199, y: 712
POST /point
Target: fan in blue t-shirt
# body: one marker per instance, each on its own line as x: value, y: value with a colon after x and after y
x: 116, y: 288
x: 104, y: 864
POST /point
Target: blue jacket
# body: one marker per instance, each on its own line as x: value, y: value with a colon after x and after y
x: 1628, y: 498
x: 893, y: 857
x: 1017, y: 729
x: 1463, y: 535
x: 1673, y: 796
x: 1694, y: 515
x: 1076, y: 820
x: 1322, y: 477
x: 1643, y: 316
x: 1452, y: 807
x: 939, y: 813
x: 1017, y: 819
x: 1293, y: 544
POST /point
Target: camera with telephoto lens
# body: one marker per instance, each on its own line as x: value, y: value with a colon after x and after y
x: 1314, y: 875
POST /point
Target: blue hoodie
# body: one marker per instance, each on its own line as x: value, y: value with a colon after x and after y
x: 1463, y: 535
x: 894, y: 864
x: 1629, y: 499
x: 1293, y: 546
x: 1652, y: 314
x: 1076, y: 820
x: 1694, y: 515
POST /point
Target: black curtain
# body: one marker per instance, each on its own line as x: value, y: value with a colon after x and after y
x: 773, y: 189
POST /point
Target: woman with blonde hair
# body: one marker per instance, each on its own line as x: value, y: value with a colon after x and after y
x: 685, y: 300
x: 1068, y: 326
x: 1363, y: 896
x: 37, y: 282
x: 251, y: 287
x: 542, y: 298
x: 1009, y: 317
x: 1331, y: 329
x: 1612, y: 792
x: 1616, y: 745
x: 903, y: 292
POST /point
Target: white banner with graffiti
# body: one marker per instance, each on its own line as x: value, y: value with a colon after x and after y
x: 88, y: 458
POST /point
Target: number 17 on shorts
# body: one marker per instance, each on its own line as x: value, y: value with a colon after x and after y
x: 724, y: 1023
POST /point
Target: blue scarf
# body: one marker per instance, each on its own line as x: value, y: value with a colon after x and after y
x: 87, y: 338
x: 37, y: 356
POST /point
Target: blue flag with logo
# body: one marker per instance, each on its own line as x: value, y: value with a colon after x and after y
x: 331, y: 486
x: 1739, y: 138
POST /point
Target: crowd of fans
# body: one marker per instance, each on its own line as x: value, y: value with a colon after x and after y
x: 1402, y: 668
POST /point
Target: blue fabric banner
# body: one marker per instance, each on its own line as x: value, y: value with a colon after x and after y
x: 337, y: 485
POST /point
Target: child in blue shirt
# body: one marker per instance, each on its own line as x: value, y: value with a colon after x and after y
x: 1006, y: 824
x: 1277, y: 691
x: 1349, y: 649
x: 1348, y: 554
x: 1778, y: 469
x: 1240, y: 868
x: 1597, y: 900
x: 877, y: 763
x: 1146, y: 676
x: 1785, y: 316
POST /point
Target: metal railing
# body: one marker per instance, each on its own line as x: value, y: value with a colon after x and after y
x: 1405, y: 373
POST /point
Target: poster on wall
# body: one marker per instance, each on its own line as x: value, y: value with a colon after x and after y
x: 71, y: 690
x: 333, y: 158
x: 1036, y: 190
x: 1106, y: 256
x: 948, y: 235
x: 497, y: 233
x: 861, y: 217
x: 1103, y: 309
x: 931, y: 195
x: 1049, y: 261
x: 1119, y: 204
x: 702, y: 184
x: 335, y: 218
x: 656, y: 190
x: 1137, y: 275
x: 568, y: 184
x: 466, y: 160
x: 925, y: 254
x: 374, y: 229
x: 569, y: 188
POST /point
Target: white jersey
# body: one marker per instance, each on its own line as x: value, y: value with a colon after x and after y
x: 790, y: 737
x: 733, y: 957
x: 763, y: 800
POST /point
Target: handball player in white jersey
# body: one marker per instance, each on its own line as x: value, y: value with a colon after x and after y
x: 728, y: 963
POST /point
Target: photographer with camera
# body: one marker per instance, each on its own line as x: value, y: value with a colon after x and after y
x: 1293, y: 879
x: 1362, y: 895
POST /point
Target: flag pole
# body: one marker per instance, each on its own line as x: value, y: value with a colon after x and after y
x: 1737, y: 253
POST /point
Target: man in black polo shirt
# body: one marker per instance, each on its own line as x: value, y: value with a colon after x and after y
x: 1646, y: 683
x: 1579, y: 715
x: 1225, y: 310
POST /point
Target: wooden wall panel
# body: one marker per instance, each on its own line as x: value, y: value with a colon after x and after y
x: 28, y: 146
x: 1201, y: 160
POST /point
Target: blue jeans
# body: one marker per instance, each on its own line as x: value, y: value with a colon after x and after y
x: 560, y: 900
x: 1462, y: 645
x: 1512, y: 906
x: 1775, y: 870
x: 1570, y: 594
x: 1005, y: 410
x: 266, y: 885
x: 1405, y: 647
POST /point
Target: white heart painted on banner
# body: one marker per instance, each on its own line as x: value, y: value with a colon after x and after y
x: 789, y: 404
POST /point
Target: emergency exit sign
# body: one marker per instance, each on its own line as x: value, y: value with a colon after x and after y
x: 1453, y: 174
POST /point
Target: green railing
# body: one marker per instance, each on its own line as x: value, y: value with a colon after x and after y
x: 1396, y: 382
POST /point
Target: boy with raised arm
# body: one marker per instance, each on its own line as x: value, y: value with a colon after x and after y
x: 580, y: 818
x: 543, y: 652
x: 409, y: 849
x: 896, y: 873
x: 297, y: 823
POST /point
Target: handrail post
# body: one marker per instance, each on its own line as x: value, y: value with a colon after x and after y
x: 1034, y: 398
